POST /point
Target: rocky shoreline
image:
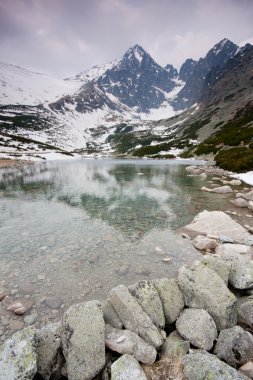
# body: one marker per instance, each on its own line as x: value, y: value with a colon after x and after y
x: 195, y: 326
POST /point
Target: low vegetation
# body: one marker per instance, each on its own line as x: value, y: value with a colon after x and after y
x: 237, y: 159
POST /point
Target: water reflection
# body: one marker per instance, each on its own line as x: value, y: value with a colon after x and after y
x: 134, y: 197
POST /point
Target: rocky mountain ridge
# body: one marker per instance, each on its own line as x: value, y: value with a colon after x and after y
x: 109, y: 109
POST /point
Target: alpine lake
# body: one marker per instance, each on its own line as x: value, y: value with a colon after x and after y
x: 72, y: 230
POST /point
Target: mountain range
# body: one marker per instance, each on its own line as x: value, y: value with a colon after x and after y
x: 131, y: 106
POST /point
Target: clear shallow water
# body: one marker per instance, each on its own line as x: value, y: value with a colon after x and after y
x: 73, y: 230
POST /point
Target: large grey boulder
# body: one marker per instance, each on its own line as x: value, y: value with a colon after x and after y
x: 241, y: 272
x: 133, y: 316
x: 240, y: 202
x: 222, y: 189
x: 228, y: 248
x: 248, y: 196
x: 216, y: 223
x: 126, y: 368
x: 220, y: 266
x: 127, y: 342
x: 205, y: 366
x: 204, y: 289
x: 83, y: 340
x: 18, y: 356
x: 198, y: 327
x: 234, y: 346
x: 110, y: 315
x: 147, y: 296
x: 171, y: 297
x: 48, y: 355
x: 244, y: 309
x: 174, y: 347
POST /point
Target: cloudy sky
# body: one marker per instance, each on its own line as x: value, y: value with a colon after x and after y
x: 63, y: 37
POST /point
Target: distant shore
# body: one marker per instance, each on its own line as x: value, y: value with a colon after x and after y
x: 6, y: 163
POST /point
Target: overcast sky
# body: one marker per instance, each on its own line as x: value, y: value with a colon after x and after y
x: 63, y: 37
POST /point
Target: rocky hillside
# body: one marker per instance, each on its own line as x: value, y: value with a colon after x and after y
x: 121, y: 107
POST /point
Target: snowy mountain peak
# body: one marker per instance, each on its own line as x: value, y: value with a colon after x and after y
x: 135, y: 52
x: 224, y: 45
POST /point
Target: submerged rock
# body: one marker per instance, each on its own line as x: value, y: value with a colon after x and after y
x: 203, y: 288
x: 126, y: 368
x: 83, y: 340
x: 18, y: 356
x: 198, y: 327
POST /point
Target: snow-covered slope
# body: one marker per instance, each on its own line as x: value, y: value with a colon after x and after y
x: 95, y: 72
x: 24, y: 87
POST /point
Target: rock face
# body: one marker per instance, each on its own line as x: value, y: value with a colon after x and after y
x: 133, y: 316
x: 127, y: 342
x: 171, y: 297
x: 198, y: 327
x: 18, y: 356
x: 244, y: 308
x: 217, y: 223
x: 48, y: 356
x: 203, y: 288
x: 83, y: 340
x: 234, y: 346
x: 204, y: 366
x: 126, y: 368
x: 202, y: 243
x: 221, y: 267
x: 148, y: 297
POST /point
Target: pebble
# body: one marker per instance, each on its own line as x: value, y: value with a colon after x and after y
x: 167, y: 259
x: 53, y: 302
x: 2, y: 295
x: 17, y: 308
x: 4, y: 321
x: 30, y: 319
x: 143, y: 271
x: 159, y: 251
x: 15, y: 324
x: 41, y: 277
x: 123, y: 270
x: 27, y: 287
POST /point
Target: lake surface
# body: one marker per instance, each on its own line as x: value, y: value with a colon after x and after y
x: 70, y: 231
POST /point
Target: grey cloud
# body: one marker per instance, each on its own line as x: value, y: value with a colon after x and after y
x: 63, y: 37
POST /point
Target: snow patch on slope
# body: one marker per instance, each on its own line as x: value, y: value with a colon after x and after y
x: 24, y: 87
